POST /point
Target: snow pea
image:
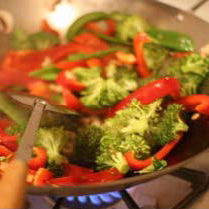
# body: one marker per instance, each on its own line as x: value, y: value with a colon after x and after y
x: 77, y: 25
x: 171, y: 39
x: 98, y: 54
x: 48, y: 73
x: 111, y: 39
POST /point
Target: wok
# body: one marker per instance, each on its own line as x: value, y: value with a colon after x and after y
x: 28, y: 14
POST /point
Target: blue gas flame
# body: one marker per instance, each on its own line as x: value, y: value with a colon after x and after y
x: 97, y: 199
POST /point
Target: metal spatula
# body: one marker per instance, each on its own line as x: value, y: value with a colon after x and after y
x: 39, y: 106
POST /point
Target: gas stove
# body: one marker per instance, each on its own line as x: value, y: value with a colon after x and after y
x: 185, y: 188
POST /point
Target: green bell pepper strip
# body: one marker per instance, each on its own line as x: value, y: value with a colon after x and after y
x: 171, y: 39
x: 98, y: 54
x: 77, y: 26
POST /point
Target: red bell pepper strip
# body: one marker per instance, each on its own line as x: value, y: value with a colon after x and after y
x: 71, y: 84
x: 4, y: 123
x: 39, y: 160
x: 9, y: 141
x: 106, y: 26
x: 71, y: 100
x: 65, y: 181
x: 94, y: 62
x: 74, y: 170
x: 30, y: 60
x: 87, y: 177
x: 68, y: 65
x: 136, y: 164
x: 4, y: 151
x: 103, y: 176
x: 45, y: 27
x: 39, y: 88
x: 149, y: 93
x: 87, y: 39
x: 179, y: 54
x: 42, y: 176
x: 30, y: 176
x: 196, y: 102
x: 138, y: 42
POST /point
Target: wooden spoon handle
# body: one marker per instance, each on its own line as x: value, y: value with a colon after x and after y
x: 13, y: 185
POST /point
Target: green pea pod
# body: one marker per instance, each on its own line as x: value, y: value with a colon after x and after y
x: 111, y: 39
x: 77, y: 25
x: 98, y: 54
x: 48, y: 73
x: 128, y: 27
x: 171, y: 39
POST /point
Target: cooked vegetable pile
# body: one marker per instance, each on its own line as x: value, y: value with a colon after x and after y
x: 132, y: 83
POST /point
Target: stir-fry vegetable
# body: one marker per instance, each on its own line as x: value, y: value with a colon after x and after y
x: 171, y: 39
x: 77, y: 26
x: 130, y: 82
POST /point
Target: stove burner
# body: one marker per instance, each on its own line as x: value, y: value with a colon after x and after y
x: 94, y: 201
x: 197, y: 179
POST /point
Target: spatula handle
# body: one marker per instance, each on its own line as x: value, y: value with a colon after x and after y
x: 26, y: 144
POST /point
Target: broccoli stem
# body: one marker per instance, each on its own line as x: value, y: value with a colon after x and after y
x: 15, y: 113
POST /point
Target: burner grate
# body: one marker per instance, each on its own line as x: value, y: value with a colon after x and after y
x: 198, y: 180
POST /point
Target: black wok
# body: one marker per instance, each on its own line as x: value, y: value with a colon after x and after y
x: 28, y: 14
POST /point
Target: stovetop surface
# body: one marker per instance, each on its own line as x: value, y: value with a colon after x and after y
x: 165, y: 191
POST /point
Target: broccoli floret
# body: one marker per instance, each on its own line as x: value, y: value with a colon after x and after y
x: 87, y: 142
x: 15, y: 130
x: 102, y: 93
x: 52, y: 139
x: 56, y: 169
x: 191, y: 70
x: 131, y: 125
x: 43, y: 40
x: 39, y: 40
x: 125, y: 76
x: 20, y: 40
x: 169, y: 125
x: 115, y: 160
x: 156, y: 165
x: 155, y: 55
x: 129, y: 26
x: 87, y: 76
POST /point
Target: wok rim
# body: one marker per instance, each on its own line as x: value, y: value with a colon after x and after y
x: 110, y: 186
